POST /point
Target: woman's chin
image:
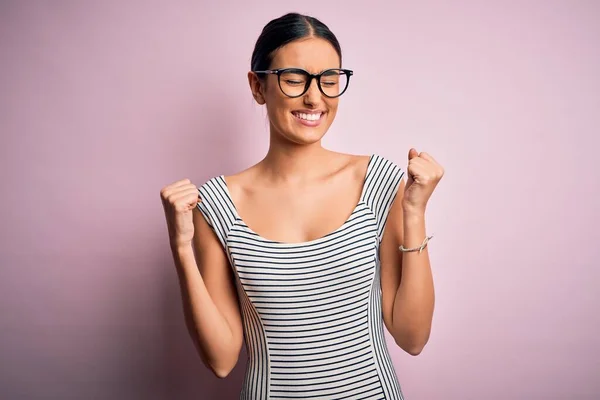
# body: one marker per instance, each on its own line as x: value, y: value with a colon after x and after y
x: 305, y: 136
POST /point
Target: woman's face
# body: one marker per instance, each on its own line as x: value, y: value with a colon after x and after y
x: 291, y: 117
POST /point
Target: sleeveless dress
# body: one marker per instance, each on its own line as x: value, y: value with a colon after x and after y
x: 313, y: 325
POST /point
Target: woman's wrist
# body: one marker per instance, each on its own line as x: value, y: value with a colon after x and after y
x: 180, y: 246
x: 413, y: 213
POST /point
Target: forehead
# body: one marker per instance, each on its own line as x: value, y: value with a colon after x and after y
x: 311, y: 54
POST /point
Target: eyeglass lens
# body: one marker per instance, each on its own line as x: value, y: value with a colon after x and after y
x: 293, y: 82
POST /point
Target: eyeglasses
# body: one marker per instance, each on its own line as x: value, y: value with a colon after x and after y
x: 294, y: 82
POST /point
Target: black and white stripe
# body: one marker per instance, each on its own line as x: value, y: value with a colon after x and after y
x: 312, y: 311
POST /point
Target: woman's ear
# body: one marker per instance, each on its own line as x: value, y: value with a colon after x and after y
x: 256, y: 87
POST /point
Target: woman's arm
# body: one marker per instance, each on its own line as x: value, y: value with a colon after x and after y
x: 406, y: 278
x: 209, y: 298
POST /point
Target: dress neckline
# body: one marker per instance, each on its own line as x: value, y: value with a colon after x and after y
x: 304, y: 243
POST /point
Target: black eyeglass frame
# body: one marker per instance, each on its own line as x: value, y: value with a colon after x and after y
x: 310, y: 76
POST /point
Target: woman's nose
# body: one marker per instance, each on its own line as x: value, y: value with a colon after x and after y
x: 313, y: 94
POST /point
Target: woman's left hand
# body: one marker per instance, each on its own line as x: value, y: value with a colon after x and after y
x: 424, y: 173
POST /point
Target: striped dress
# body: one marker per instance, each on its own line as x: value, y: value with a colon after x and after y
x: 311, y: 311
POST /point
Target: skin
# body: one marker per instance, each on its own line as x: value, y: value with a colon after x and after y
x: 298, y: 181
x: 301, y: 191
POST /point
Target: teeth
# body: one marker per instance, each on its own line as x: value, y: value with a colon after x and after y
x: 308, y: 117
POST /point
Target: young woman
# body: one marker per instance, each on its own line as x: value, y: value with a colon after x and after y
x: 309, y: 253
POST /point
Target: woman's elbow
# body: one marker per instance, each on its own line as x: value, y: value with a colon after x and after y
x: 414, y: 351
x: 414, y: 348
x: 221, y: 368
x: 221, y: 373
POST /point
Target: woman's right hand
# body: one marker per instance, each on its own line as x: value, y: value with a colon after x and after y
x: 179, y: 199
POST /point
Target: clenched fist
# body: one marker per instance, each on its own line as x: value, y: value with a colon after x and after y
x: 179, y: 199
x: 424, y: 173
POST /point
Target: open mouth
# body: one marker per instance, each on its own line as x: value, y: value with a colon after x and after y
x: 309, y: 119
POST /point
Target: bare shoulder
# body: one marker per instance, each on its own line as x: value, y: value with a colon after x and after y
x: 239, y: 184
x: 361, y: 163
x: 355, y: 164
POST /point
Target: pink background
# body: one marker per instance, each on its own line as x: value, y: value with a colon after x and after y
x: 103, y: 103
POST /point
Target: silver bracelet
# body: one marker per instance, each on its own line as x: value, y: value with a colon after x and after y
x: 420, y: 248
